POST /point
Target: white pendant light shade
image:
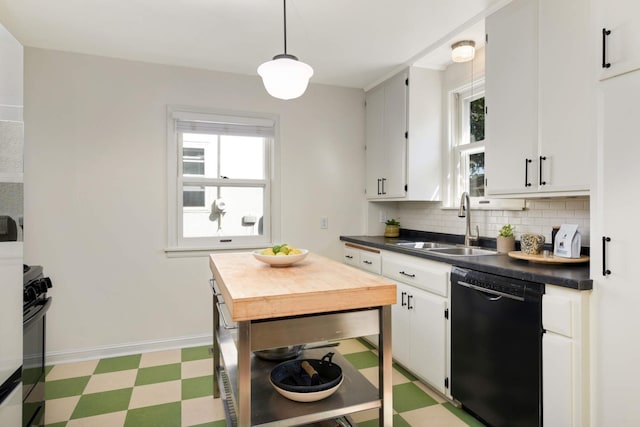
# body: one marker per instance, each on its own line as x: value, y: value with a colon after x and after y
x: 285, y: 77
x: 463, y: 51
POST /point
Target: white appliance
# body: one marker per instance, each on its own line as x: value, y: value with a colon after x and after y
x: 11, y: 295
x: 11, y: 209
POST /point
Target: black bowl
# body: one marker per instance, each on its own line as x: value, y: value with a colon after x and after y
x: 290, y: 376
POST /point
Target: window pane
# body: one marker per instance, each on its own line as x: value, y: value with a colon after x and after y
x: 476, y: 175
x: 193, y: 197
x: 200, y: 155
x: 242, y: 157
x: 193, y: 161
x: 242, y: 216
x: 476, y: 120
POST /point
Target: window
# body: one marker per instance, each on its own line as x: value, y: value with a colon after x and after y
x: 220, y: 180
x: 468, y: 140
x: 467, y: 144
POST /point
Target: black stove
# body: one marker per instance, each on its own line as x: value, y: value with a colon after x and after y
x: 36, y: 303
x: 35, y: 287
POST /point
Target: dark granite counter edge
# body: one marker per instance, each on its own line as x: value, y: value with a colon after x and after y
x: 570, y: 276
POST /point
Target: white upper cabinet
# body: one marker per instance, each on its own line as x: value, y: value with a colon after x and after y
x: 403, y: 137
x: 511, y: 98
x: 619, y: 33
x: 386, y: 125
x: 540, y: 99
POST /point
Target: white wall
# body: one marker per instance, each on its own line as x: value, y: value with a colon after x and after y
x: 96, y: 191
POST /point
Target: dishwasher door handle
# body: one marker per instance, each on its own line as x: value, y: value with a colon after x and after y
x: 489, y: 291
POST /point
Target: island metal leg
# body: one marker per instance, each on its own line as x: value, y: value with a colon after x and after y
x: 244, y: 374
x: 385, y: 370
x: 216, y: 346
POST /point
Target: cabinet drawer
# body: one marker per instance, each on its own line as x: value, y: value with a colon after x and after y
x: 362, y: 257
x: 370, y: 261
x: 557, y: 313
x: 351, y: 256
x: 424, y: 274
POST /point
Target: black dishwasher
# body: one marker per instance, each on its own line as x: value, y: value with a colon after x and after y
x: 496, y: 347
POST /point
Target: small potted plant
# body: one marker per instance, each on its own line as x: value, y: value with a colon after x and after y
x: 392, y: 228
x: 506, y: 241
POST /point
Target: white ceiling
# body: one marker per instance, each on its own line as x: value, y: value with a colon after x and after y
x: 353, y: 43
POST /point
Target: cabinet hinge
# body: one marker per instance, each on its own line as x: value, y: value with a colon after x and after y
x: 446, y: 313
x: 406, y: 135
x: 406, y: 81
x: 446, y: 382
x: 486, y: 37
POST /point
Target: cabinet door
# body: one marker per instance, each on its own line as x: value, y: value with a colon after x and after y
x: 386, y: 126
x: 622, y: 18
x: 374, y: 134
x: 618, y: 294
x: 395, y: 122
x: 511, y: 93
x: 557, y: 369
x: 429, y: 343
x: 566, y: 112
x: 401, y: 327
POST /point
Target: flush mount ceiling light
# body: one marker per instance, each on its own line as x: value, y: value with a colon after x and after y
x: 285, y: 77
x: 463, y: 51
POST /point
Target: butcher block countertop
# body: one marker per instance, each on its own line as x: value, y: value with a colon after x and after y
x: 253, y: 290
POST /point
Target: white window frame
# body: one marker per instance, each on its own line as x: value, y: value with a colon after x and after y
x: 197, y: 246
x: 459, y: 130
x: 462, y: 98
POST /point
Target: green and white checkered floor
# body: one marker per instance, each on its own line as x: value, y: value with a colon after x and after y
x: 174, y: 388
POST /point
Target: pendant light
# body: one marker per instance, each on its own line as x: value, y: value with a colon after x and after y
x: 463, y: 51
x: 285, y: 77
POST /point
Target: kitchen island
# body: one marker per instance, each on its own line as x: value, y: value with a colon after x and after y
x: 257, y: 307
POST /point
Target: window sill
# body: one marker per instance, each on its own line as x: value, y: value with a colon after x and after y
x: 493, y: 205
x: 177, y: 252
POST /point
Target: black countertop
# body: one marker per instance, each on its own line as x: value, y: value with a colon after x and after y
x: 574, y: 276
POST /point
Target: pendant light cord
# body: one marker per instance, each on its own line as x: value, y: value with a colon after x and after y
x: 285, y: 26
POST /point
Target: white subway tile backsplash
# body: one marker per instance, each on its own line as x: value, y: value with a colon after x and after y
x: 538, y: 217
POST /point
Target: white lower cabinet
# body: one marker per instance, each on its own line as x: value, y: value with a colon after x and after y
x: 565, y: 369
x: 420, y: 318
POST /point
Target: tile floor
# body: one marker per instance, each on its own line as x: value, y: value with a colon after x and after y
x: 174, y: 388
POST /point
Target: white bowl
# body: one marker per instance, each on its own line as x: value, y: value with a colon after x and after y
x: 310, y: 396
x: 282, y: 260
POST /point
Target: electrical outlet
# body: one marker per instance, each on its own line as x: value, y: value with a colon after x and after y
x: 324, y: 222
x: 383, y: 216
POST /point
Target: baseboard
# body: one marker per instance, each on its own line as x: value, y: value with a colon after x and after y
x: 77, y: 355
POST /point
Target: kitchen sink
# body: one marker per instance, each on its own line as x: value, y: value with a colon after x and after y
x: 462, y: 251
x: 423, y: 245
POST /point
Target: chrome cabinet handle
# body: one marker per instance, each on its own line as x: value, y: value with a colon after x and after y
x: 605, y: 270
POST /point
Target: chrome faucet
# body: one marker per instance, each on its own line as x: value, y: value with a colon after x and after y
x: 469, y: 239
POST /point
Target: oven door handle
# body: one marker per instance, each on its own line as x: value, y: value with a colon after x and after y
x: 489, y: 291
x: 39, y: 315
